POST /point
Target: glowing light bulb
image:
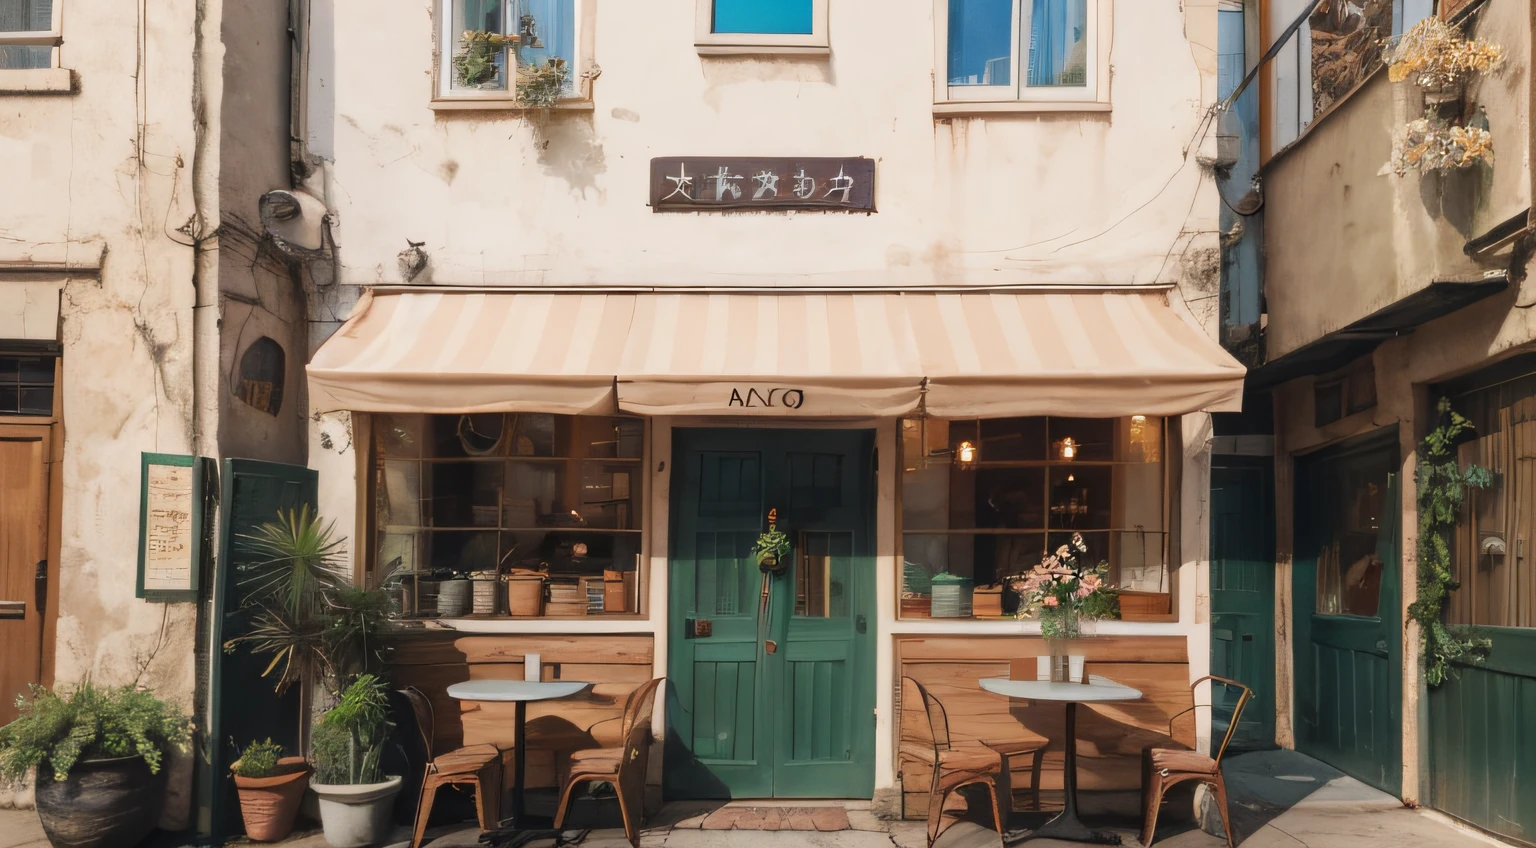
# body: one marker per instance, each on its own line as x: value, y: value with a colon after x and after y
x: 965, y: 453
x: 1068, y: 448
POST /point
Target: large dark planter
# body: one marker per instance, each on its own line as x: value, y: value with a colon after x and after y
x: 104, y: 804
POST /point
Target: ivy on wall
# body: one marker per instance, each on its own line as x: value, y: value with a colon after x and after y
x: 1442, y: 491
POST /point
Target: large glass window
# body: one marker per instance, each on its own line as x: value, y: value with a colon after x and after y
x: 792, y: 17
x: 984, y: 499
x: 1019, y: 49
x: 761, y: 26
x: 491, y: 495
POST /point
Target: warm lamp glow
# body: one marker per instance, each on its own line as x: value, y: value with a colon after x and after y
x: 1068, y: 448
x: 965, y: 453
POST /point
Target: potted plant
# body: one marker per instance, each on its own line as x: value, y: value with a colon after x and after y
x: 1063, y: 592
x: 271, y: 787
x: 99, y: 759
x: 479, y: 61
x: 348, y: 743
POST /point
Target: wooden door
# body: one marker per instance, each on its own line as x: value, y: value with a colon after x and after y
x: 245, y: 708
x: 1243, y: 592
x: 773, y: 680
x: 1348, y: 624
x: 23, y: 560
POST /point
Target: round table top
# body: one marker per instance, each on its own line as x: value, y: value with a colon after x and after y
x: 1096, y: 689
x: 515, y: 690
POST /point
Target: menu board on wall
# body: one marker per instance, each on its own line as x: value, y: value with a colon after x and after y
x: 171, y: 500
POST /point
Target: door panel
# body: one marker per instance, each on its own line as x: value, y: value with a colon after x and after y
x: 23, y: 551
x: 1243, y: 591
x: 1348, y: 624
x: 773, y: 692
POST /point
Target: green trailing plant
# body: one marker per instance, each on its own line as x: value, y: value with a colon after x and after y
x: 1442, y: 490
x: 55, y: 732
x: 480, y: 57
x: 259, y: 759
x: 348, y: 743
x: 771, y: 550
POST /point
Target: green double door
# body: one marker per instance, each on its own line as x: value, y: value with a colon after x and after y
x: 773, y: 677
x: 1348, y: 630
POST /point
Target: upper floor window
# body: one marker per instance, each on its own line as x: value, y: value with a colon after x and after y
x: 761, y: 26
x: 522, y: 50
x: 1000, y: 50
x: 29, y: 34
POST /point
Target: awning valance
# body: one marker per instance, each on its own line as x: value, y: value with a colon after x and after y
x: 788, y: 355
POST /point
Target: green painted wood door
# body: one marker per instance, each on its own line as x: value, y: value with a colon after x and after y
x: 1348, y: 613
x: 243, y: 706
x: 1243, y: 591
x: 778, y: 699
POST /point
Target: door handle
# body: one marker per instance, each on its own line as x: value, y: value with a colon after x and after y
x: 770, y: 646
x: 41, y: 586
x: 861, y: 624
x: 1381, y: 644
x: 11, y: 610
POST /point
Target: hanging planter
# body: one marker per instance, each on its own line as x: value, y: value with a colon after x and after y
x: 1433, y: 144
x: 1441, y: 62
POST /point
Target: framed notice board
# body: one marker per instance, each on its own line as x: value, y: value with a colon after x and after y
x: 172, y: 496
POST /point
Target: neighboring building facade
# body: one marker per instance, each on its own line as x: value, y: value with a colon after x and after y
x: 578, y: 347
x: 1384, y: 294
x: 134, y: 286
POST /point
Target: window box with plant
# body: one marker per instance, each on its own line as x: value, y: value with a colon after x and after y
x: 98, y: 755
x: 511, y: 54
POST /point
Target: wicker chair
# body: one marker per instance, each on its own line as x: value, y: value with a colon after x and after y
x: 477, y: 766
x: 954, y: 768
x: 624, y: 766
x: 1162, y: 768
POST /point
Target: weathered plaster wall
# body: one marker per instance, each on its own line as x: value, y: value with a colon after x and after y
x: 1344, y: 240
x: 1113, y: 197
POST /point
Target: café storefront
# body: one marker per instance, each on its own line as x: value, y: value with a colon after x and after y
x: 582, y: 474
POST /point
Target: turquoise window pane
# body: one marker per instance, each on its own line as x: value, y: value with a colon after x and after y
x: 980, y: 42
x: 778, y: 17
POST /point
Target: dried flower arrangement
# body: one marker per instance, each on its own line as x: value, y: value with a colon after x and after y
x: 479, y: 60
x: 541, y: 86
x: 1431, y: 143
x: 1436, y: 56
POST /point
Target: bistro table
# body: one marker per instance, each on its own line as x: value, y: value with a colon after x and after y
x: 519, y: 828
x: 1066, y: 825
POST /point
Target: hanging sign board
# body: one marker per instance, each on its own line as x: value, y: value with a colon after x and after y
x: 171, y: 498
x: 702, y: 183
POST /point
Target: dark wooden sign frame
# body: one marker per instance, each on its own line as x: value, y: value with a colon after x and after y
x: 704, y: 183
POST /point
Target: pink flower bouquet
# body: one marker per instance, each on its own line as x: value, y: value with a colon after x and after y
x: 1061, y: 591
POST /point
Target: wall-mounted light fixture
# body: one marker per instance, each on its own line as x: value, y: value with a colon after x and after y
x: 966, y: 454
x: 1068, y: 448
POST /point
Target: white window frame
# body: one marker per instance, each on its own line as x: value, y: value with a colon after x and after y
x: 1018, y: 96
x: 711, y: 43
x: 445, y: 98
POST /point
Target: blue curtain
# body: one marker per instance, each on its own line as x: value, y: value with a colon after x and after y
x: 781, y: 17
x: 1057, y: 29
x: 555, y: 24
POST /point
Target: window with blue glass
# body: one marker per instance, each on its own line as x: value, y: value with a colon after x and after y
x: 1018, y: 49
x: 495, y: 47
x: 790, y: 17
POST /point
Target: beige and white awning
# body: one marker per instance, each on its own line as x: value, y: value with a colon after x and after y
x: 789, y: 355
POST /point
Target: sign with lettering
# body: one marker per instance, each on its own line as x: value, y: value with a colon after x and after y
x: 701, y: 183
x: 171, y: 501
x: 750, y: 397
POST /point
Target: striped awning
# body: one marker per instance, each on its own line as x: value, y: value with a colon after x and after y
x: 788, y: 355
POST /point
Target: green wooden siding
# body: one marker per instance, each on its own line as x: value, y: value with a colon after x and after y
x: 1243, y: 590
x: 1482, y: 739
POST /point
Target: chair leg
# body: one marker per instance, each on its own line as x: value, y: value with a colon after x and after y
x: 1039, y: 766
x: 1002, y: 805
x: 565, y: 798
x: 631, y: 822
x: 424, y: 809
x: 1220, y: 787
x: 1152, y: 800
x: 484, y: 793
x: 936, y: 801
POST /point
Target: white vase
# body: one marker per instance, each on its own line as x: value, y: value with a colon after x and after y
x: 354, y: 815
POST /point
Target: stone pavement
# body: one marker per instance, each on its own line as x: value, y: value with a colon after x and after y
x: 1280, y: 799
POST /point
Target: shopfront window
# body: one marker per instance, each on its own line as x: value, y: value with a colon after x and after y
x: 983, y: 499
x: 499, y: 498
x: 1349, y: 564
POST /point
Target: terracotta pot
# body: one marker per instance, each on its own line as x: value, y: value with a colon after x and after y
x: 107, y: 802
x: 270, y: 804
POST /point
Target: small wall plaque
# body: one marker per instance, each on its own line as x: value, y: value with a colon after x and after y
x: 171, y: 522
